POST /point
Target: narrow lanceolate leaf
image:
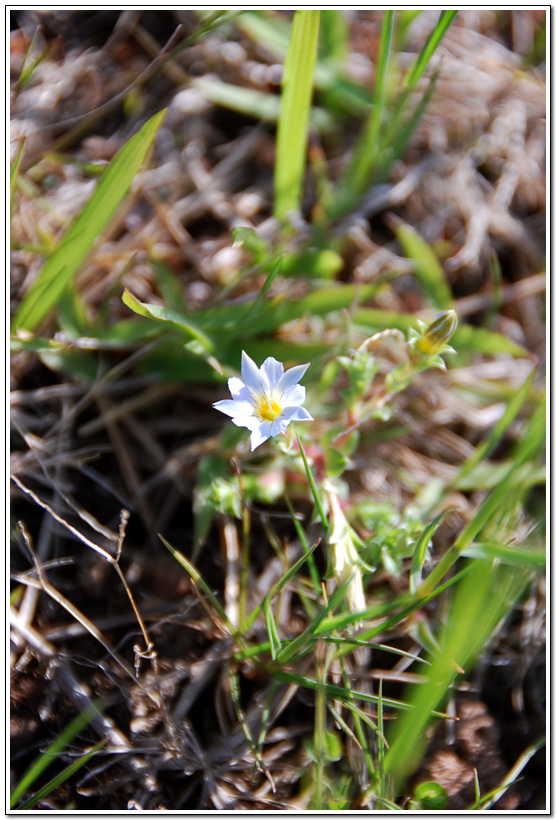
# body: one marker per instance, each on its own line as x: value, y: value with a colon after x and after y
x: 418, y: 68
x: 297, y: 88
x: 69, y: 255
x: 365, y: 154
x: 428, y: 269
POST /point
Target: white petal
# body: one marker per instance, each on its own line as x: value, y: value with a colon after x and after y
x: 295, y: 395
x: 296, y: 414
x: 279, y: 425
x: 234, y: 408
x: 291, y: 378
x: 238, y: 390
x: 260, y: 434
x: 252, y: 376
x: 273, y: 370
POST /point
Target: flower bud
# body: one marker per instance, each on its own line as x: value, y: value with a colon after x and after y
x: 438, y: 333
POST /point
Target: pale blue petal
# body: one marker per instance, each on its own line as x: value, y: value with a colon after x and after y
x: 234, y: 408
x: 296, y: 414
x: 291, y: 378
x: 273, y: 370
x: 252, y: 376
x: 294, y: 396
x: 260, y: 434
x: 279, y: 425
x: 238, y: 390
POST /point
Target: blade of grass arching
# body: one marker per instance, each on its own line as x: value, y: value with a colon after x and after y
x: 408, y: 603
x: 62, y: 777
x: 529, y: 448
x: 362, y: 739
x: 396, y: 134
x: 313, y: 486
x: 511, y: 556
x: 292, y: 134
x: 364, y: 157
x: 420, y: 551
x: 480, y: 601
x: 313, y: 571
x: 272, y: 632
x: 300, y: 643
x: 259, y: 105
x: 427, y: 268
x: 293, y: 570
x: 272, y: 313
x: 65, y: 261
x: 393, y: 148
x: 198, y: 579
x: 233, y: 680
x: 488, y: 800
x: 419, y: 67
x: 182, y: 323
x: 265, y: 288
x: 47, y: 757
x: 339, y: 693
x: 265, y: 718
x: 513, y: 407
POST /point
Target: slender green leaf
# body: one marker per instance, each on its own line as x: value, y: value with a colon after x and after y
x: 291, y: 572
x: 313, y: 486
x: 481, y: 600
x: 420, y: 65
x: 420, y: 551
x: 292, y: 134
x: 47, y: 757
x: 60, y: 778
x: 69, y: 255
x: 513, y: 407
x: 364, y: 156
x: 505, y: 554
x: 426, y: 265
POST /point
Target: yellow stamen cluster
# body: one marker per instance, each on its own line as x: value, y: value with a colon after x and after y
x: 267, y: 408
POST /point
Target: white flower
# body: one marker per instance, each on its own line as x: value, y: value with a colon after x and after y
x: 267, y: 400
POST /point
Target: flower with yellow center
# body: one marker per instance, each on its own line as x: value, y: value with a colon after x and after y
x: 265, y: 400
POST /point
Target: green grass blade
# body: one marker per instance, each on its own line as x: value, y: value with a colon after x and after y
x: 270, y: 623
x: 489, y: 799
x: 420, y: 551
x: 313, y: 571
x: 313, y: 486
x: 428, y: 269
x: 420, y: 65
x: 162, y: 314
x: 292, y: 135
x: 65, y: 261
x: 512, y: 556
x: 513, y: 407
x: 529, y: 448
x: 61, y: 778
x: 293, y: 570
x: 339, y: 692
x: 364, y: 155
x: 44, y: 760
x: 481, y: 600
x: 196, y: 576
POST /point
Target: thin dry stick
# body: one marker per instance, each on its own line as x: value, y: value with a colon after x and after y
x: 146, y: 653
